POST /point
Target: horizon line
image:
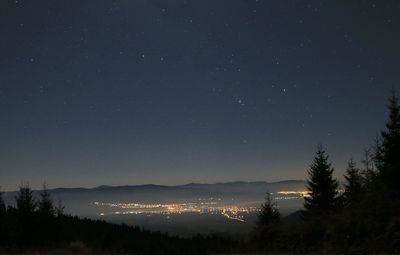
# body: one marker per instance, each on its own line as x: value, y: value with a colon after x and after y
x: 160, y: 185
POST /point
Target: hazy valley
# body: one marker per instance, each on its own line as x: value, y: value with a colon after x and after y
x: 185, y: 210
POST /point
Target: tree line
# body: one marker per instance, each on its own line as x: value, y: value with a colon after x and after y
x: 362, y: 219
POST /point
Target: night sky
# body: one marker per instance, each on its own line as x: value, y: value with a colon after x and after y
x: 173, y: 91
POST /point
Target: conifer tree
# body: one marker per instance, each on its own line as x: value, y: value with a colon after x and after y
x: 368, y: 172
x: 59, y: 209
x: 354, y: 186
x: 26, y: 204
x: 266, y: 233
x: 45, y: 204
x: 2, y: 204
x: 387, y: 153
x: 321, y: 185
x: 269, y: 213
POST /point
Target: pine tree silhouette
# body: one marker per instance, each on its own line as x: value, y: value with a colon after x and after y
x: 25, y: 210
x: 269, y: 213
x: 2, y: 204
x: 368, y: 172
x: 26, y: 204
x: 3, y: 228
x: 59, y: 209
x: 354, y: 186
x: 45, y: 204
x: 387, y: 153
x: 321, y: 185
x: 266, y: 232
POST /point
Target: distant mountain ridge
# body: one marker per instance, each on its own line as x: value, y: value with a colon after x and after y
x: 184, y: 185
x: 192, y: 184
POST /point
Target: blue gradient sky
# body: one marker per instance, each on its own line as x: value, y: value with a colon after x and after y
x: 170, y: 92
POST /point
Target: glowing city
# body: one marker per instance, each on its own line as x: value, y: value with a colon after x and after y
x: 213, y: 206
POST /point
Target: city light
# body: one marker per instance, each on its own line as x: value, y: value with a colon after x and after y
x: 212, y: 206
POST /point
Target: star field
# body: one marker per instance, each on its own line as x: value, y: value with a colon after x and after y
x: 170, y: 92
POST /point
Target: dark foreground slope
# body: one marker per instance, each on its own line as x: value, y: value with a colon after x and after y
x: 21, y: 234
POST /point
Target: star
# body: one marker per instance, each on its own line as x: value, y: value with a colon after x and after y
x: 240, y: 102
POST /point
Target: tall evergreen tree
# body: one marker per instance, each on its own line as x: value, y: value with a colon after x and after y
x: 59, y: 209
x: 45, y: 204
x: 269, y: 213
x: 387, y: 153
x: 2, y: 204
x: 26, y: 204
x: 266, y: 232
x: 368, y: 172
x: 321, y: 185
x: 353, y: 189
